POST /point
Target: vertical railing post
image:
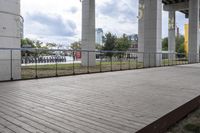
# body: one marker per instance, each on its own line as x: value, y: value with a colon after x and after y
x: 36, y: 69
x: 137, y: 61
x: 164, y: 59
x: 56, y: 66
x: 88, y: 62
x: 149, y: 60
x: 155, y: 58
x: 11, y: 65
x: 120, y: 61
x: 100, y: 61
x: 129, y: 61
x: 111, y: 65
x: 188, y: 58
x: 185, y: 58
x: 73, y: 55
x: 169, y: 54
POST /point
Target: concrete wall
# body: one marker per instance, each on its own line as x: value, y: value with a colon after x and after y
x: 10, y: 35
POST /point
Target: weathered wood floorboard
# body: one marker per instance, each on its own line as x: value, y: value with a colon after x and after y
x: 119, y: 102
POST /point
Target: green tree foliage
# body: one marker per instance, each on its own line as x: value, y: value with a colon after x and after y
x: 27, y: 43
x: 165, y: 44
x: 99, y: 47
x: 112, y: 43
x: 38, y: 44
x: 75, y: 46
x: 109, y: 43
x: 179, y: 44
x: 123, y: 43
x: 51, y: 45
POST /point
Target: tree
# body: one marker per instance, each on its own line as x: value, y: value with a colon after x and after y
x: 123, y: 43
x: 27, y: 43
x: 51, y: 45
x: 165, y: 44
x: 99, y: 47
x: 109, y: 43
x: 38, y: 44
x: 179, y: 44
x: 76, y: 46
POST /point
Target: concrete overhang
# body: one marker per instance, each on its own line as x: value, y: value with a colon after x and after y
x: 176, y: 5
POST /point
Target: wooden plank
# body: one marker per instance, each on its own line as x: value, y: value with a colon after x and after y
x: 33, y: 114
x: 12, y: 126
x: 162, y: 124
x: 4, y: 129
x: 80, y: 113
x: 23, y: 119
x: 40, y: 119
x: 121, y: 102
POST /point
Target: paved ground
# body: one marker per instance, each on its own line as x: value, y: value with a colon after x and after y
x: 116, y: 102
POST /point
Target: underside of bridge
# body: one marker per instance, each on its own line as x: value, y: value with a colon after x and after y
x: 150, y: 29
x: 179, y: 5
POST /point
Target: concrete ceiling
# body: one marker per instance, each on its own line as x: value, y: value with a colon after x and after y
x: 168, y: 2
x: 173, y: 1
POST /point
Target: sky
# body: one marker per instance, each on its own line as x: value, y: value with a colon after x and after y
x: 59, y: 21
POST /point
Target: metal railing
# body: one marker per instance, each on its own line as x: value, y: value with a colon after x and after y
x: 16, y: 64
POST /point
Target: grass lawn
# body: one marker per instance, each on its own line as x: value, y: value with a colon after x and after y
x: 51, y: 70
x: 69, y: 69
x: 191, y: 124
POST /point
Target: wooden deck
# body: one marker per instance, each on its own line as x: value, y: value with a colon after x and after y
x: 116, y: 102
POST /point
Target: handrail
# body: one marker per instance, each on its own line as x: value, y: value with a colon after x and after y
x: 4, y: 12
x: 100, y: 51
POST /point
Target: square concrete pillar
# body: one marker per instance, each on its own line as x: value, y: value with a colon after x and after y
x: 141, y: 30
x: 88, y: 33
x: 150, y: 33
x: 193, y: 31
x: 172, y: 35
x: 10, y: 36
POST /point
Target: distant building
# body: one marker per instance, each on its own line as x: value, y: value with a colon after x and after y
x: 134, y: 40
x: 99, y: 36
x: 133, y: 37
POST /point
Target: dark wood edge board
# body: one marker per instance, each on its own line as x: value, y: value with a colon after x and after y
x: 161, y: 125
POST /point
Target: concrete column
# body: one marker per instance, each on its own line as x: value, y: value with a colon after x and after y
x: 141, y: 30
x: 172, y: 35
x: 152, y: 33
x: 193, y: 31
x: 10, y: 36
x: 88, y: 32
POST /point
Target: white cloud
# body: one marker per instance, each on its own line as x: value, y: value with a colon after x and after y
x: 116, y: 16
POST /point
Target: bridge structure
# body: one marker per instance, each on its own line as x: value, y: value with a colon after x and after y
x: 149, y: 27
